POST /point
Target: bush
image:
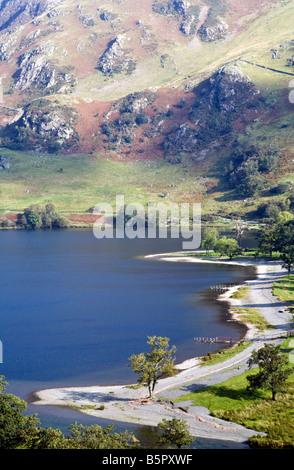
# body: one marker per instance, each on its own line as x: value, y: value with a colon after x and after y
x: 5, y: 222
x: 142, y: 118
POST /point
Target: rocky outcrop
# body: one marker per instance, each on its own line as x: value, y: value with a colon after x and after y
x: 231, y: 90
x: 43, y: 125
x: 229, y: 93
x: 214, y: 33
x: 129, y: 114
x: 172, y: 7
x: 36, y: 70
x: 135, y: 103
x: 19, y: 12
x: 189, y: 25
x: 106, y: 15
x: 50, y: 122
x: 183, y: 11
x: 116, y: 59
x: 8, y: 44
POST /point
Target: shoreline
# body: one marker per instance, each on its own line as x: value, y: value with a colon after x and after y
x: 126, y: 403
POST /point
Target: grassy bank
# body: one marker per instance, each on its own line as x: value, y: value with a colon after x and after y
x: 230, y: 400
x: 224, y: 354
x: 251, y: 316
x: 284, y: 290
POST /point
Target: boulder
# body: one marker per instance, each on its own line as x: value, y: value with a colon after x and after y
x: 4, y: 162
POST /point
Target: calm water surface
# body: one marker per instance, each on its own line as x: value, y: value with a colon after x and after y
x: 73, y: 309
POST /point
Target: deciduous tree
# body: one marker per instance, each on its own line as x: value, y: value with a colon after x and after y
x: 175, y: 433
x: 153, y: 365
x: 273, y: 372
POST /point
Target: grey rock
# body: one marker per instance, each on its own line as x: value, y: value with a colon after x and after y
x: 231, y: 89
x: 49, y: 123
x: 116, y: 59
x: 189, y: 25
x: 35, y: 69
x: 4, y: 162
x: 20, y: 12
x: 215, y: 32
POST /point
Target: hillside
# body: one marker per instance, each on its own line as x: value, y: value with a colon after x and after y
x: 189, y: 100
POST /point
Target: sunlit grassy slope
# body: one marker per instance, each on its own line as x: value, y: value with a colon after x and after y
x: 197, y: 59
x: 78, y: 182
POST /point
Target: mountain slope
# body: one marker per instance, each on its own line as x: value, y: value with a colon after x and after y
x: 172, y: 81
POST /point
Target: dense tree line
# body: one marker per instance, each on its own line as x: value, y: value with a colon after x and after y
x: 20, y: 431
x: 41, y: 217
x: 279, y: 237
x: 225, y: 246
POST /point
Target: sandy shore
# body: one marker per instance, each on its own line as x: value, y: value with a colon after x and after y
x: 129, y: 404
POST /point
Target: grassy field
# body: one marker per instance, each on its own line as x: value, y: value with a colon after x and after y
x: 251, y: 316
x: 230, y: 400
x: 78, y: 182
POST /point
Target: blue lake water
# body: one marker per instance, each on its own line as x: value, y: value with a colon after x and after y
x: 74, y: 308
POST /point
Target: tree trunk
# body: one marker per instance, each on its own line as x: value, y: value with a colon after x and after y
x: 150, y: 390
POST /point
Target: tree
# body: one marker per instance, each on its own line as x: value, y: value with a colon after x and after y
x: 247, y: 179
x: 14, y: 426
x: 96, y: 437
x: 272, y: 373
x: 269, y: 239
x: 209, y: 239
x: 175, y: 433
x: 47, y: 438
x: 239, y: 229
x: 155, y: 364
x: 285, y: 236
x: 228, y: 247
x: 284, y: 217
x: 288, y: 258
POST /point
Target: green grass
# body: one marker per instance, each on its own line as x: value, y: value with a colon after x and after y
x: 284, y: 290
x: 230, y: 400
x: 241, y: 293
x: 224, y: 354
x: 251, y: 316
x: 229, y: 395
x: 88, y: 180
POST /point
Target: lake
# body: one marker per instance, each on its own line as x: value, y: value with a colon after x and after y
x: 74, y: 308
